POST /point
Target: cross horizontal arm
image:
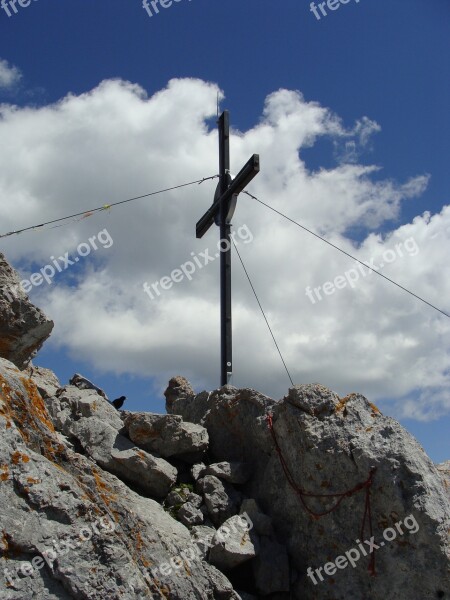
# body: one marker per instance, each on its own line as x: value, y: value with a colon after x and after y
x: 242, y: 179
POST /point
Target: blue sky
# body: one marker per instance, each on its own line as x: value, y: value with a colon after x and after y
x: 366, y: 85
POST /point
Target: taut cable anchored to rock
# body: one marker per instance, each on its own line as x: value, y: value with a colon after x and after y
x: 367, y: 484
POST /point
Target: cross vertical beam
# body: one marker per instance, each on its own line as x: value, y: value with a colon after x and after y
x: 226, y: 349
x: 221, y: 212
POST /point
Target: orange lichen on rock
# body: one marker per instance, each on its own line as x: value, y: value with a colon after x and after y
x: 5, y: 542
x: 105, y: 492
x: 33, y: 481
x: 5, y: 394
x: 29, y: 413
x: 342, y: 402
x: 16, y: 408
x: 4, y: 472
x: 375, y: 410
x: 18, y: 457
x: 139, y: 541
x: 38, y: 405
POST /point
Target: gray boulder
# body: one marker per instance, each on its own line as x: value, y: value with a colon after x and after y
x: 189, y: 515
x: 71, y: 404
x: 232, y: 418
x: 23, y: 327
x: 178, y: 388
x: 174, y: 498
x: 202, y: 536
x: 72, y: 530
x: 167, y: 435
x: 221, y: 500
x: 329, y: 446
x: 118, y: 455
x: 233, y: 544
x: 444, y: 472
x: 261, y: 522
x: 93, y: 424
x: 82, y: 383
x: 194, y: 499
x: 271, y: 568
x: 45, y: 380
x: 197, y: 470
x: 233, y: 472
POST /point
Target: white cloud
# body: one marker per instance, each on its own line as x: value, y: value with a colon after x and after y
x: 9, y: 75
x: 115, y: 142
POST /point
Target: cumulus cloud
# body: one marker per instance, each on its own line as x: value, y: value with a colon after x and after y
x: 9, y: 75
x: 116, y: 142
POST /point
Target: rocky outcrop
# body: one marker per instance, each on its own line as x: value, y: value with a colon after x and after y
x: 23, y: 327
x: 233, y: 543
x: 444, y: 472
x: 230, y: 495
x: 83, y: 383
x: 179, y: 388
x: 72, y: 530
x: 92, y: 425
x: 318, y: 463
x: 274, y: 511
x: 168, y: 435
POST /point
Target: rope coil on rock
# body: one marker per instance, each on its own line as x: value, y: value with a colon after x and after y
x: 367, y: 484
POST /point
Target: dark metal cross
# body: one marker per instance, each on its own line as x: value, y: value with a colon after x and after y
x: 221, y: 213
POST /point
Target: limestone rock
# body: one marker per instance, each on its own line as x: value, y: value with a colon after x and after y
x: 174, y: 498
x: 233, y: 472
x: 117, y: 454
x: 23, y: 327
x: 202, y: 536
x: 444, y: 472
x: 178, y: 388
x: 221, y: 499
x: 329, y: 445
x: 197, y: 470
x: 79, y: 530
x: 232, y: 418
x: 71, y: 404
x: 74, y: 527
x: 261, y: 522
x: 271, y: 568
x: 194, y: 499
x: 222, y: 587
x: 84, y: 384
x: 189, y: 515
x: 45, y: 380
x: 167, y: 435
x: 94, y: 425
x: 233, y: 544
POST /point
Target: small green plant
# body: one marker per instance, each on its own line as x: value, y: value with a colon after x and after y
x: 183, y: 490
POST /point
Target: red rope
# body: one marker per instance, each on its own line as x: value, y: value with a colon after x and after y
x: 367, y: 484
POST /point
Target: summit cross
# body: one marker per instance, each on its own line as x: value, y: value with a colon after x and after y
x: 221, y: 213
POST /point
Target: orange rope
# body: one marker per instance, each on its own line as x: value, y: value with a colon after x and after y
x: 367, y: 484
